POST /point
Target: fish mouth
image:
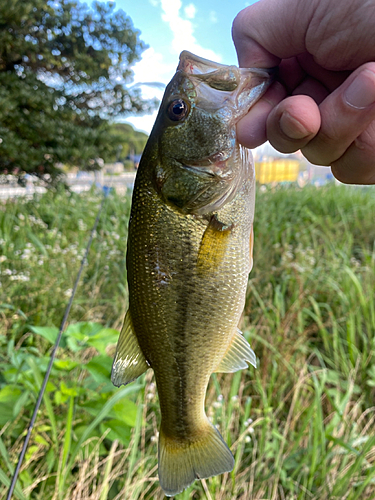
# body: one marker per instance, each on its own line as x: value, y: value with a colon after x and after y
x: 195, y: 65
x: 214, y: 165
x: 218, y: 169
x: 222, y: 178
x: 225, y: 86
x: 202, y: 171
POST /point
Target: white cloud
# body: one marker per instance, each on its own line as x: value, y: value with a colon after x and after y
x: 213, y: 17
x: 142, y: 123
x: 153, y: 66
x: 190, y: 11
x: 183, y: 31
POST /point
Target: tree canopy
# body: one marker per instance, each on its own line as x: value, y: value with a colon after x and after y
x: 130, y: 141
x: 65, y: 71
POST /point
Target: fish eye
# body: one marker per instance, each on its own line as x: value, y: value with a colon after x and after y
x: 177, y: 110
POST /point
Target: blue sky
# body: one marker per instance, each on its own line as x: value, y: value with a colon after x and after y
x: 170, y: 26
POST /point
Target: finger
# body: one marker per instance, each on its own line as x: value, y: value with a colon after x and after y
x: 251, y: 129
x: 345, y: 114
x: 357, y: 165
x: 293, y: 123
x: 270, y: 30
x: 333, y: 32
x: 310, y: 81
x: 290, y: 73
x: 312, y: 88
x: 330, y: 79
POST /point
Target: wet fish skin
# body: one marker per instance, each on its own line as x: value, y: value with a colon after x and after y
x: 188, y: 260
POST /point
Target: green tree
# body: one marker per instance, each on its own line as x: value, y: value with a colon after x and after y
x: 131, y: 142
x: 65, y: 70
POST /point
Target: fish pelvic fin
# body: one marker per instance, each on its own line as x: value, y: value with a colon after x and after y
x: 129, y: 362
x: 183, y: 461
x: 237, y: 356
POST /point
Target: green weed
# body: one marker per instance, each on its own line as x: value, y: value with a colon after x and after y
x: 301, y: 425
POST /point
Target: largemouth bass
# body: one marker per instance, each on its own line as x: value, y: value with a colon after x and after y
x: 188, y: 259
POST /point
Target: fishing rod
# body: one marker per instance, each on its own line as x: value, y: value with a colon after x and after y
x: 53, y: 354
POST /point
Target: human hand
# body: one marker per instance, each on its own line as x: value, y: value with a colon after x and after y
x: 324, y: 100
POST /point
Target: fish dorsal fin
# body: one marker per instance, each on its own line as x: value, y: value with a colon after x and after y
x: 237, y: 356
x: 129, y: 362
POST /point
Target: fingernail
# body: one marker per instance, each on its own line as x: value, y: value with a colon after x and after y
x: 291, y: 127
x: 361, y: 92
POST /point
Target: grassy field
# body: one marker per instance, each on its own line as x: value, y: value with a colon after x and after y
x: 301, y: 426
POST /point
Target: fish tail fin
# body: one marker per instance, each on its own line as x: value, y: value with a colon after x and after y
x: 183, y: 461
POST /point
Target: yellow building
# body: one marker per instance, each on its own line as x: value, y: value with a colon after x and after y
x: 277, y: 170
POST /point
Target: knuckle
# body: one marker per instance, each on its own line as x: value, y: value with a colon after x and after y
x: 316, y: 155
x: 366, y: 141
x: 238, y: 25
x: 357, y: 165
x: 342, y: 173
x: 330, y: 135
x: 284, y: 146
x: 369, y: 66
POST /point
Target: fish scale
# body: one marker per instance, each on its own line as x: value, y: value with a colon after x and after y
x: 188, y: 260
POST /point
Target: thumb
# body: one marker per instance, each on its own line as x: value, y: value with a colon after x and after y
x: 270, y: 30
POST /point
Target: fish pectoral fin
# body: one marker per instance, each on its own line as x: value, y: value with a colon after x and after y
x: 213, y: 245
x: 129, y: 362
x: 237, y: 356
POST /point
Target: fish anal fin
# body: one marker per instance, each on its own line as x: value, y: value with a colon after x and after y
x: 213, y: 245
x: 183, y: 461
x: 237, y: 356
x: 129, y: 362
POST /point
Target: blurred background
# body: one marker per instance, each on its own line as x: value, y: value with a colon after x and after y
x: 79, y: 89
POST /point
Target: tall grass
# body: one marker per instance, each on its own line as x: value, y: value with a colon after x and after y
x: 42, y: 242
x: 301, y: 426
